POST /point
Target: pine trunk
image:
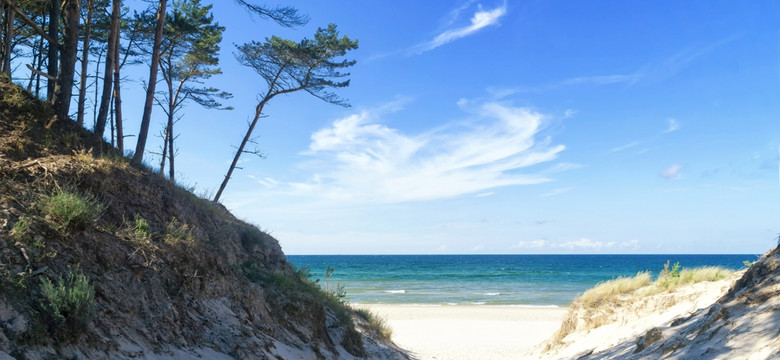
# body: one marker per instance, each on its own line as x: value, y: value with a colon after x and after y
x: 171, y: 154
x: 7, y: 40
x: 147, y: 115
x: 108, y: 74
x: 51, y: 69
x: 68, y: 62
x: 258, y: 112
x: 120, y: 134
x: 84, y: 64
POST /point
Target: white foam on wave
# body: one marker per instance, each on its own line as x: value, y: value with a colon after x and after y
x: 492, y: 294
x: 395, y: 291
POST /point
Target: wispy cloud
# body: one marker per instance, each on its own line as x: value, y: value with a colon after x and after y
x: 533, y: 244
x: 358, y: 158
x: 624, y: 147
x: 480, y: 20
x: 585, y: 243
x: 672, y: 125
x: 557, y: 192
x: 672, y: 172
x: 603, y: 79
x: 673, y: 64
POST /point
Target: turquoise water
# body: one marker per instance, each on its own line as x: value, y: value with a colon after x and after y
x: 520, y: 280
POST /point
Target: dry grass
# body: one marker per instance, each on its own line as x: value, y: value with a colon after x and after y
x: 598, y: 306
x: 609, y: 291
x: 375, y: 323
x: 692, y: 276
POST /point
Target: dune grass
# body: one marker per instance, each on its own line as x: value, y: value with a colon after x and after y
x: 375, y: 323
x: 597, y: 306
x: 610, y: 290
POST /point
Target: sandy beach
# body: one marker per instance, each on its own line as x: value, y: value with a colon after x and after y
x: 469, y: 332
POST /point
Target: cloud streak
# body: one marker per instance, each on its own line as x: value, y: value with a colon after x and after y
x: 480, y: 20
x: 672, y: 172
x: 603, y: 79
x: 357, y: 158
x: 555, y: 192
x: 672, y: 126
x: 582, y: 244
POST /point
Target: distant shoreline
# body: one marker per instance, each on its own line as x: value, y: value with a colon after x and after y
x: 524, y: 280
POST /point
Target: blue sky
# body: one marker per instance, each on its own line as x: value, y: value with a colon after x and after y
x: 510, y: 127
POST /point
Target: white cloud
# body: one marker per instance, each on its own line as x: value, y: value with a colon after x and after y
x: 581, y: 244
x: 569, y: 113
x: 266, y: 181
x: 672, y: 172
x: 672, y: 125
x: 486, y: 194
x: 585, y: 243
x: 624, y: 147
x: 604, y: 79
x: 359, y: 159
x: 557, y: 192
x: 633, y: 244
x: 533, y: 244
x: 501, y: 92
x: 480, y: 20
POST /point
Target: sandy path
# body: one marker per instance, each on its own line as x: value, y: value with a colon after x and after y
x: 469, y: 332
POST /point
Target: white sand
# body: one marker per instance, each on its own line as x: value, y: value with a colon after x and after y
x: 469, y: 332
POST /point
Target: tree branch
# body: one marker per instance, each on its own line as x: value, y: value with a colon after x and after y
x: 35, y: 26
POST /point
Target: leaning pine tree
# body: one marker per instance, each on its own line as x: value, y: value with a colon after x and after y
x: 287, y: 67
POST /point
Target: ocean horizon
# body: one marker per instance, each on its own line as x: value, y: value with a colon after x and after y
x: 474, y: 280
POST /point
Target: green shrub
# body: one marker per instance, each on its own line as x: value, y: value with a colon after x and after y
x: 141, y: 232
x: 67, y: 304
x: 70, y: 210
x: 673, y: 273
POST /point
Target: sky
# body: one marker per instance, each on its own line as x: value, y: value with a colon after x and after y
x: 508, y: 127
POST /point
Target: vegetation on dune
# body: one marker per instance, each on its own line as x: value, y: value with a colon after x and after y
x: 79, y: 219
x: 67, y: 304
x: 69, y: 210
x: 597, y: 306
x: 375, y: 323
x: 69, y: 259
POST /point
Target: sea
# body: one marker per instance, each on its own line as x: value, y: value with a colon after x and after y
x: 474, y: 280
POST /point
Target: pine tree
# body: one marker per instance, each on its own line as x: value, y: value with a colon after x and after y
x: 190, y: 55
x: 287, y: 67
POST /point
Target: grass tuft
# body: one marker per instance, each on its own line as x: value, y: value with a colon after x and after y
x: 597, y: 306
x: 610, y: 290
x: 177, y: 232
x: 375, y: 323
x: 69, y: 210
x: 139, y: 233
x: 20, y: 229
